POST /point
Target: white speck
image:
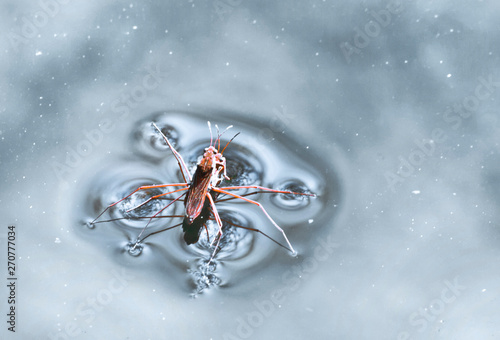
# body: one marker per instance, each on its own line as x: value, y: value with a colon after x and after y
x: 37, y: 53
x: 310, y: 220
x: 415, y: 192
x: 448, y: 75
x: 483, y: 290
x: 57, y: 240
x: 134, y: 27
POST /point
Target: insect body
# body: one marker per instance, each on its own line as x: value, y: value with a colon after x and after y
x: 201, y: 192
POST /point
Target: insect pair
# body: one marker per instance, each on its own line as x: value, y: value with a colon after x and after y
x: 200, y: 193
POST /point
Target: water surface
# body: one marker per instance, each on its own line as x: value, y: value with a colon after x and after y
x: 387, y: 110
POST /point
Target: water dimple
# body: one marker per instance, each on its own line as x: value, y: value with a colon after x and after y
x: 243, y: 168
x: 291, y: 201
x: 137, y: 209
x: 134, y: 248
x: 149, y: 143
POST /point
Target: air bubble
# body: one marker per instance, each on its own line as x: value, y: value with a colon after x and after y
x: 204, y: 276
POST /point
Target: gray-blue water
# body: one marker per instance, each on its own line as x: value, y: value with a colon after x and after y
x: 388, y: 110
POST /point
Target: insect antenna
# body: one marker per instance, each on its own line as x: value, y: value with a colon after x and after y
x: 210, y: 128
x: 229, y: 142
x: 218, y: 137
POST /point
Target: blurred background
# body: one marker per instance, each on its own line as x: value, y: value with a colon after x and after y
x: 387, y: 109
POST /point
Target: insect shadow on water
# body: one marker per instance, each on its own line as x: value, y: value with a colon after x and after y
x: 200, y: 193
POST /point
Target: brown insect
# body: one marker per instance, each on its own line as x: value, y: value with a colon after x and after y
x: 201, y: 192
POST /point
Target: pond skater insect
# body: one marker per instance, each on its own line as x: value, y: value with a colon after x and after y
x: 201, y: 192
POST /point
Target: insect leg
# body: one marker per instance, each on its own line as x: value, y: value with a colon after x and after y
x: 178, y: 157
x: 155, y: 197
x: 244, y: 195
x: 256, y: 230
x: 145, y: 187
x: 267, y: 190
x: 165, y: 207
x: 157, y: 232
x: 139, y: 217
x: 220, y: 190
x: 219, y: 223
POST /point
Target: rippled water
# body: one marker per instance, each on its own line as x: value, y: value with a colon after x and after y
x: 387, y: 110
x: 251, y: 160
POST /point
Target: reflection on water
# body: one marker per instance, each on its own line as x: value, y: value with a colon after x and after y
x: 249, y: 239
